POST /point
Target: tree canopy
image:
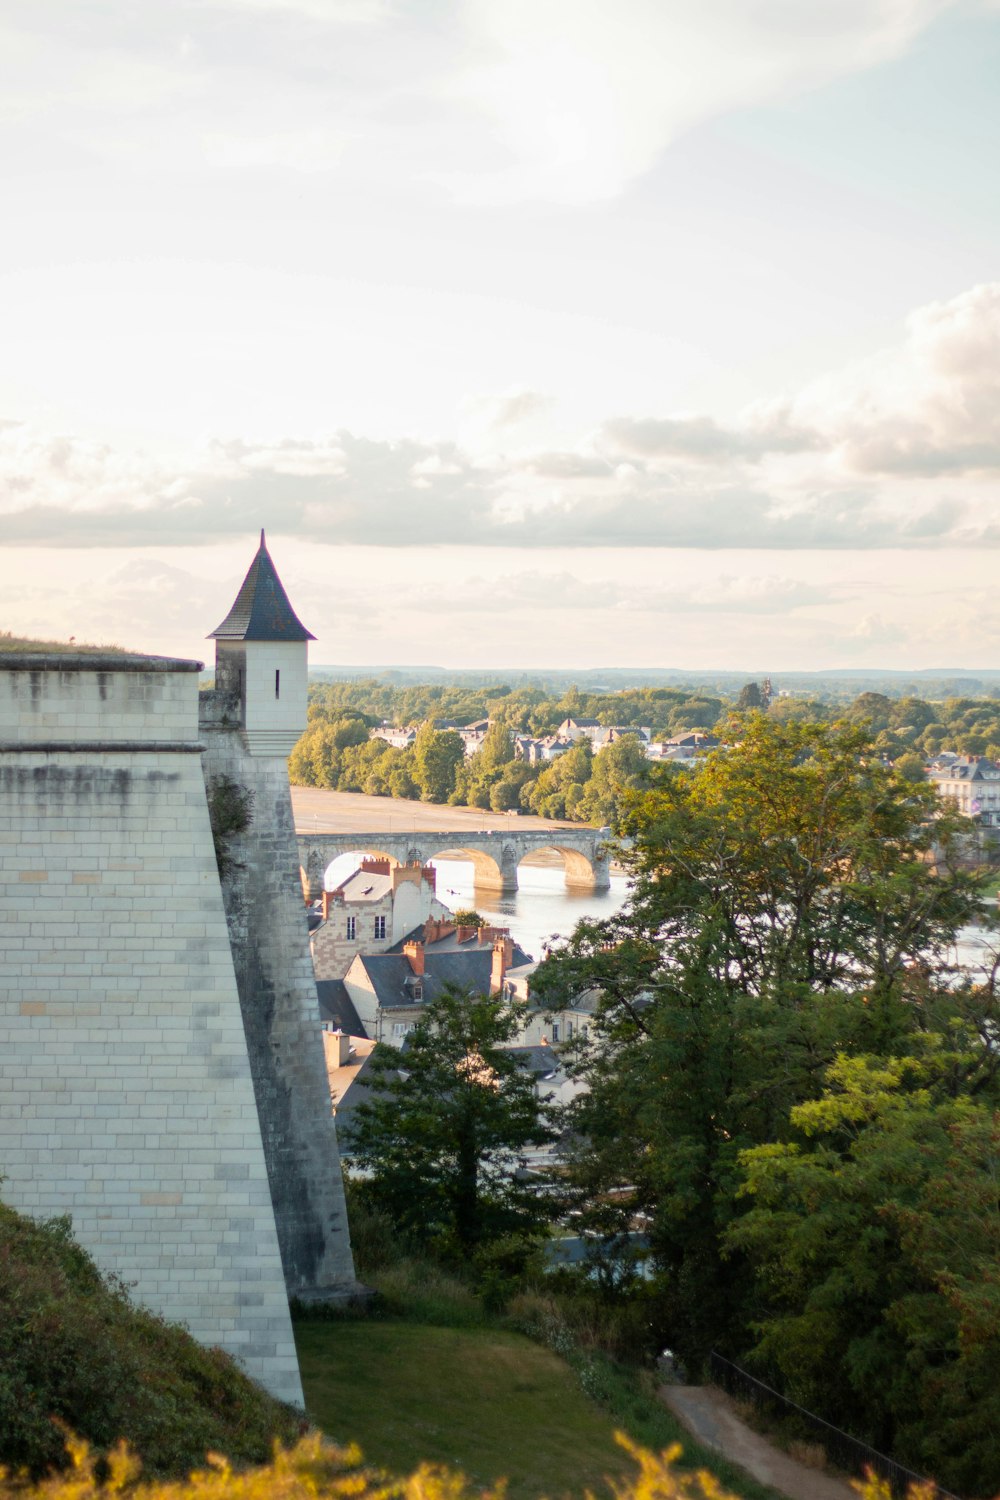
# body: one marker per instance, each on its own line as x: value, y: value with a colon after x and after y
x: 795, y: 903
x: 447, y: 1120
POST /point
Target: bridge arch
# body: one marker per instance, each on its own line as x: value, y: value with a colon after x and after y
x: 580, y: 870
x: 319, y: 861
x: 489, y: 871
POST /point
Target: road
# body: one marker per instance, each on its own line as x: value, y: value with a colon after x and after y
x: 318, y: 811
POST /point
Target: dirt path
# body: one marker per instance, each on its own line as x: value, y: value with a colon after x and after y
x: 710, y: 1416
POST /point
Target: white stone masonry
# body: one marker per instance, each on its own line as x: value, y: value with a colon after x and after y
x: 126, y: 1098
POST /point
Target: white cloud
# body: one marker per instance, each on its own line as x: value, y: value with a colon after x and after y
x: 565, y: 101
x: 585, y: 96
x: 899, y: 452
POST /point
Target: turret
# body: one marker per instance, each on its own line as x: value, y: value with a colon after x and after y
x: 261, y: 658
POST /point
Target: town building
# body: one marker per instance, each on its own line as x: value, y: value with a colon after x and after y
x: 373, y: 909
x: 390, y: 990
x: 971, y: 782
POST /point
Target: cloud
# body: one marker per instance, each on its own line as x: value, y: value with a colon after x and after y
x: 702, y: 439
x: 585, y: 98
x: 901, y: 451
x: 551, y: 100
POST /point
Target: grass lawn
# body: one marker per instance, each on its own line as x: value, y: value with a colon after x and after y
x: 491, y: 1403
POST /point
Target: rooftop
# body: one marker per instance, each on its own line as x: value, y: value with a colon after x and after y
x: 261, y: 611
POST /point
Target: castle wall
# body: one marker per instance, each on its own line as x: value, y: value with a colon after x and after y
x: 126, y: 1097
x: 277, y: 989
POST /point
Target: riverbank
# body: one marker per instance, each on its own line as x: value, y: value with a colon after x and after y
x: 319, y: 811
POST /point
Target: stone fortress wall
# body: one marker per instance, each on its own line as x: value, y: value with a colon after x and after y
x: 277, y: 987
x: 126, y: 1095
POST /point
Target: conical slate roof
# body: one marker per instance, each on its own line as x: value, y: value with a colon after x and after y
x: 261, y: 611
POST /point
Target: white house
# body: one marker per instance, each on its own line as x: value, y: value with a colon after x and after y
x: 370, y: 911
x: 972, y: 782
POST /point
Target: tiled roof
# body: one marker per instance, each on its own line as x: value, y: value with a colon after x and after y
x: 389, y: 973
x: 261, y: 611
x: 336, y: 1006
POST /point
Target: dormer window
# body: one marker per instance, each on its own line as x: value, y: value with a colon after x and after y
x: 417, y: 990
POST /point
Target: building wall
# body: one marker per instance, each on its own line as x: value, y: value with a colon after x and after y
x: 274, y: 721
x: 277, y: 990
x: 333, y: 951
x: 126, y: 1097
x: 363, y: 998
x: 407, y: 906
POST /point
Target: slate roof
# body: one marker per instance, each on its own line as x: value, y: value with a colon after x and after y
x: 540, y: 1062
x: 336, y: 1005
x: 261, y: 611
x: 389, y: 973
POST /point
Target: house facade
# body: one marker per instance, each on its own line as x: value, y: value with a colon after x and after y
x: 371, y: 911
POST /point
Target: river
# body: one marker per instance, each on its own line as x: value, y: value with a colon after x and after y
x: 540, y: 910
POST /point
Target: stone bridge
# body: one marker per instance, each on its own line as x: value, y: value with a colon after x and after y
x: 495, y: 854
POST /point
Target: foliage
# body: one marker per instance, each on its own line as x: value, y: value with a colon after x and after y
x: 447, y: 1120
x: 437, y: 756
x: 467, y: 917
x: 578, y: 785
x: 784, y: 911
x: 877, y: 1240
x: 74, y: 1349
x: 230, y: 813
x: 315, y: 1469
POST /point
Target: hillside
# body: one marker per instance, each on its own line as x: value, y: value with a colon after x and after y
x: 74, y: 1350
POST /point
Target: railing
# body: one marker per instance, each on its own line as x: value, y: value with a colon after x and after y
x: 843, y: 1450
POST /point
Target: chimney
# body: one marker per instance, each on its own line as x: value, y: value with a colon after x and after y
x: 327, y: 903
x: 415, y: 953
x: 503, y: 953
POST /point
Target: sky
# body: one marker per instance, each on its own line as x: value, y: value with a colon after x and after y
x: 553, y: 333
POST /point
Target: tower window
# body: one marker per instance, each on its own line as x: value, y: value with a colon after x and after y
x: 277, y: 684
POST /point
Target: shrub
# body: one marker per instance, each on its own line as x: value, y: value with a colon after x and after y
x: 316, y: 1470
x: 74, y: 1349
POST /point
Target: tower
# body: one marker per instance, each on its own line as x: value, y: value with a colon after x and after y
x: 261, y: 659
x: 249, y: 725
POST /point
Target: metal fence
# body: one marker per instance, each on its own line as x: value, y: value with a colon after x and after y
x: 842, y: 1449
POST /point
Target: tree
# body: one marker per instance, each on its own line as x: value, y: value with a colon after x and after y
x: 448, y: 1118
x: 750, y: 697
x: 437, y: 755
x: 784, y: 908
x: 876, y: 1236
x: 620, y: 767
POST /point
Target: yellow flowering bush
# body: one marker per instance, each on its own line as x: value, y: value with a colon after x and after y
x: 315, y: 1469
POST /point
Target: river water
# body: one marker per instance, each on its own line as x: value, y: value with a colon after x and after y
x: 540, y: 910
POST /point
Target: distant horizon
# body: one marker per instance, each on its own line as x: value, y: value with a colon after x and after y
x: 736, y: 673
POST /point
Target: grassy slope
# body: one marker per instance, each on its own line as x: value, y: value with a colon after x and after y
x: 74, y: 1348
x: 489, y: 1402
x: 9, y: 642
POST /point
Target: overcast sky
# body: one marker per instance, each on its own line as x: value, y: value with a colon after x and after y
x: 562, y: 332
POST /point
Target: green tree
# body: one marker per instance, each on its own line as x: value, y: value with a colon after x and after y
x: 619, y: 768
x: 910, y: 766
x: 876, y: 1238
x: 783, y: 902
x: 437, y: 755
x: 448, y: 1119
x: 750, y: 697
